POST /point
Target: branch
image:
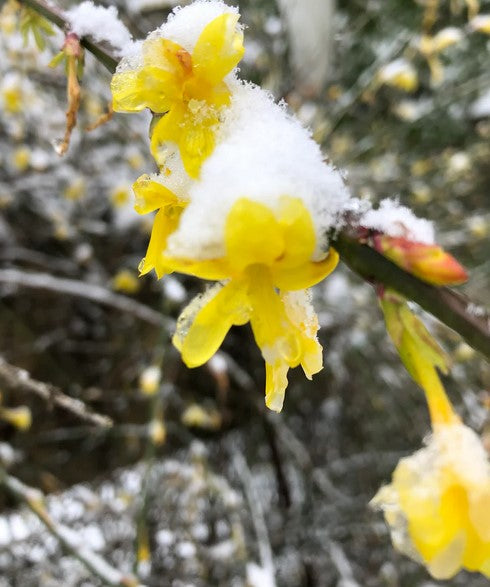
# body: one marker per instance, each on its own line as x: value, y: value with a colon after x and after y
x: 468, y: 319
x: 55, y: 16
x: 89, y: 291
x: 16, y: 379
x: 34, y: 500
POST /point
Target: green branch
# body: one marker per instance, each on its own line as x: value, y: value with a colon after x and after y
x: 451, y: 308
x: 454, y: 310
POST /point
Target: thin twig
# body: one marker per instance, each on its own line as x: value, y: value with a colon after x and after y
x: 55, y: 16
x: 16, y: 379
x: 82, y: 289
x: 34, y: 500
x: 258, y: 517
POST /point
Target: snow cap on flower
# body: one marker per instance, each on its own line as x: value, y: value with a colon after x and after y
x: 185, y: 24
x: 261, y: 154
x: 181, y: 75
x: 437, y: 505
x: 396, y: 220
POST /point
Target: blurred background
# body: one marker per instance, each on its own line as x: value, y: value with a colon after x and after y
x: 196, y: 484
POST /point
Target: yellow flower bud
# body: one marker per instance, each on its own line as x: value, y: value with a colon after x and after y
x: 150, y: 380
x: 20, y: 417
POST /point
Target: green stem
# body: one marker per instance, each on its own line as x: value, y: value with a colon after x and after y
x: 55, y: 16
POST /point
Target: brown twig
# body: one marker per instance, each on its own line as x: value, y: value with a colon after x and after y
x: 16, y: 379
x: 89, y: 291
x: 34, y: 500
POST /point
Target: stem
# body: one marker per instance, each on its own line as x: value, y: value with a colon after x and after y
x: 18, y: 380
x: 34, y: 500
x: 451, y: 308
x: 55, y: 16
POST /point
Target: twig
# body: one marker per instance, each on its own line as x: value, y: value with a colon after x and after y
x: 34, y: 500
x: 16, y: 379
x: 454, y: 310
x: 82, y: 289
x: 55, y: 16
x: 342, y: 564
x: 258, y: 518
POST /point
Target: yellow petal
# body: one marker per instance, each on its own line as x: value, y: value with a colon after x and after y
x: 166, y: 221
x: 202, y: 327
x: 300, y: 312
x: 298, y: 230
x: 276, y: 382
x: 273, y: 332
x: 168, y: 57
x: 167, y: 129
x: 128, y: 93
x: 151, y: 195
x: 252, y: 235
x: 219, y: 48
x: 213, y: 269
x: 306, y: 275
x: 196, y: 143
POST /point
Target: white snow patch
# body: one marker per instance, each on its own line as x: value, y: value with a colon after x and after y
x: 260, y: 576
x: 100, y: 23
x: 174, y: 290
x: 398, y: 221
x: 185, y: 549
x: 481, y: 107
x: 185, y: 25
x: 261, y: 153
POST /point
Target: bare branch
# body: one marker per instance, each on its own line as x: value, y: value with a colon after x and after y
x: 16, y: 379
x: 34, y: 500
x: 82, y: 289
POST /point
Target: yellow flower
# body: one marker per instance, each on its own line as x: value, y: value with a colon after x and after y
x: 265, y: 252
x: 437, y: 504
x: 188, y: 90
x: 152, y: 195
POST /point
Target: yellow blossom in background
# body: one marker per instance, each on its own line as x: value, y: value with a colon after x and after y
x: 152, y: 195
x: 76, y: 189
x: 265, y: 252
x: 196, y: 416
x: 188, y: 90
x: 437, y: 505
x: 21, y: 158
x: 12, y: 98
x: 120, y: 196
x: 150, y: 379
x: 19, y: 417
x: 481, y: 23
x: 399, y: 74
x: 125, y: 281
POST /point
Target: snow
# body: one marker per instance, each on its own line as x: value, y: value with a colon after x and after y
x: 174, y: 290
x: 260, y: 576
x: 481, y: 107
x: 100, y: 23
x: 262, y: 153
x: 185, y: 25
x: 398, y: 221
x: 217, y: 363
